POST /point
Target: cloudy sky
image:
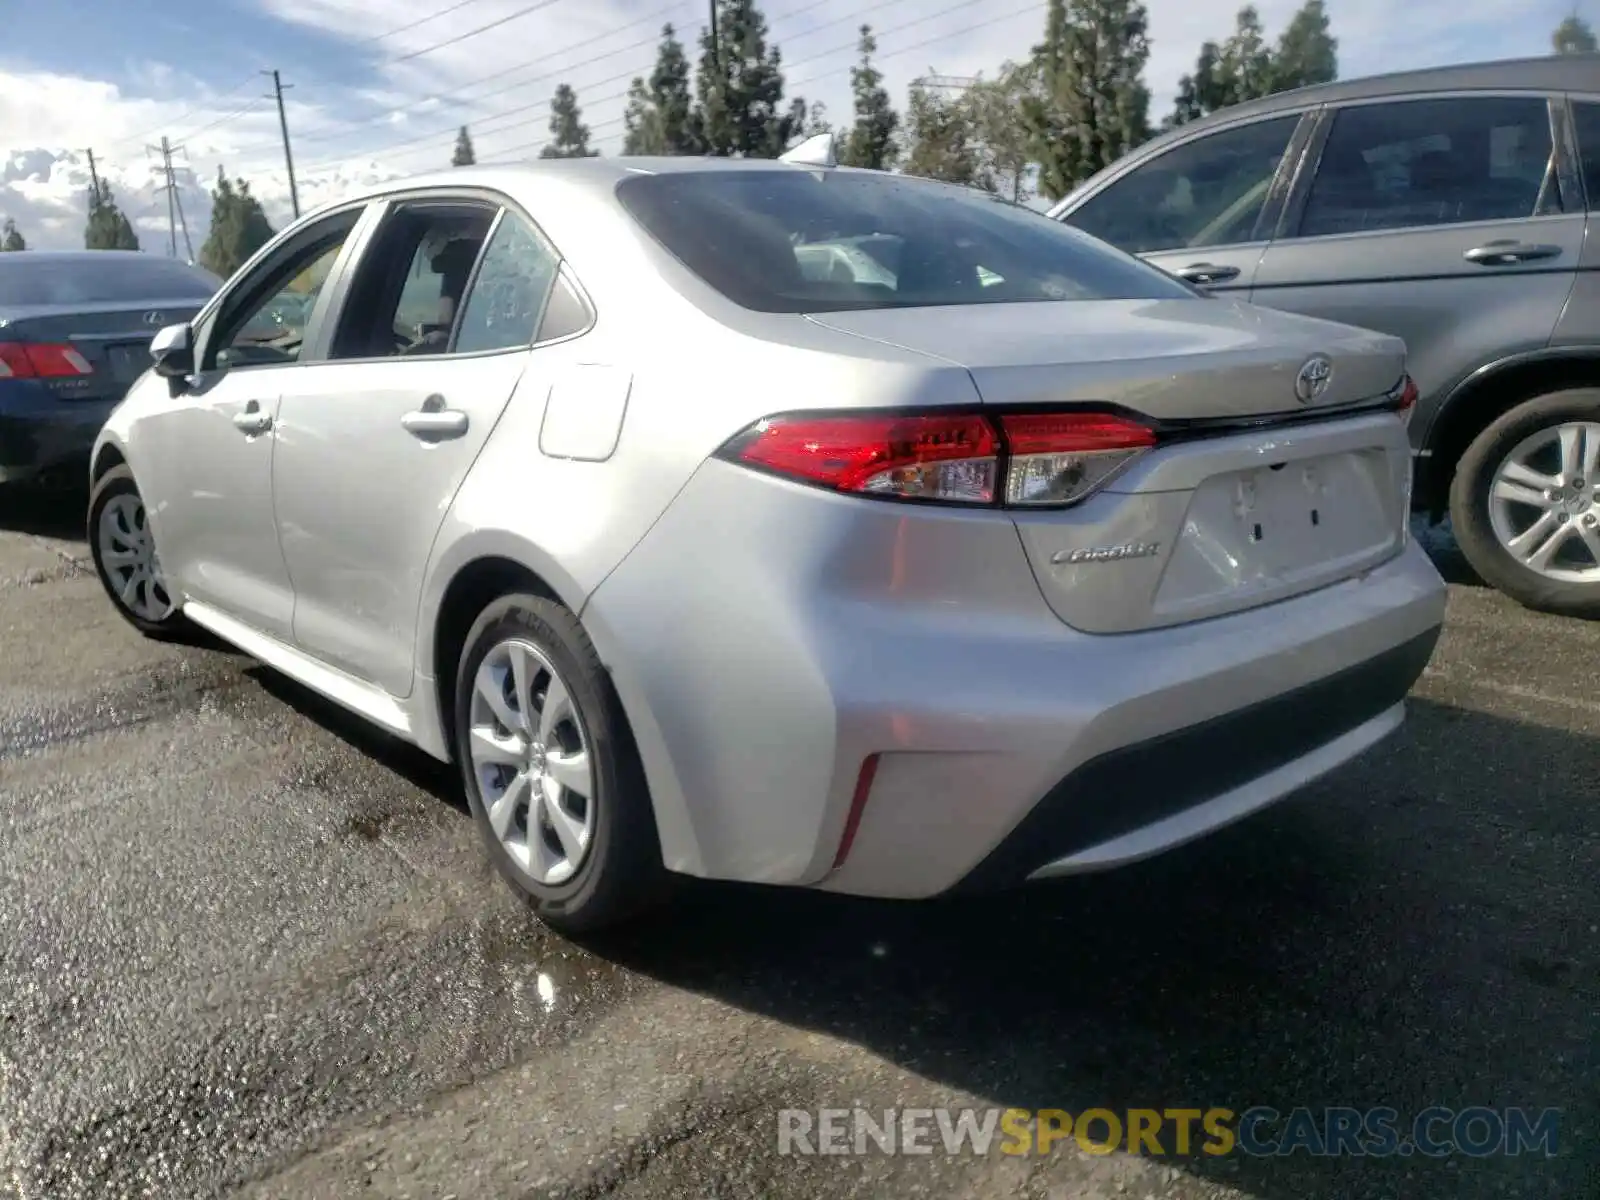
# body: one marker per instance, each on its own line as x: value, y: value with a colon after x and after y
x: 378, y: 87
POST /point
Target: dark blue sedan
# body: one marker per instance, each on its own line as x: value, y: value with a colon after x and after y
x: 75, y: 330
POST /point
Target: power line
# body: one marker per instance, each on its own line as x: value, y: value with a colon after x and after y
x: 186, y: 115
x: 472, y: 33
x: 418, y: 139
x: 443, y: 12
x: 223, y: 120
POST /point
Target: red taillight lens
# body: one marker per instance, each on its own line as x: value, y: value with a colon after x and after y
x: 923, y: 457
x: 1059, y: 458
x: 1408, y: 394
x: 28, y: 360
x: 1022, y: 459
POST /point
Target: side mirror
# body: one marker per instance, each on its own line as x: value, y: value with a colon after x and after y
x: 172, y: 349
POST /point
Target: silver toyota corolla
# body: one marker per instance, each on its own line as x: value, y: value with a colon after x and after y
x: 776, y: 522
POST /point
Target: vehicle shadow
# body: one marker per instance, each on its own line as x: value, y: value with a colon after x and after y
x: 1393, y: 937
x: 53, y: 511
x: 1440, y: 543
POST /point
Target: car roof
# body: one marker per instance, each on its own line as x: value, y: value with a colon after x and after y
x: 1550, y: 73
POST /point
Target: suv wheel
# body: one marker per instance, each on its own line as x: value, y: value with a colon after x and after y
x: 123, y: 547
x: 550, y: 769
x: 1525, y: 503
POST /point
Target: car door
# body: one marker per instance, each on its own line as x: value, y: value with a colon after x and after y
x: 375, y: 438
x: 1449, y: 221
x: 1202, y: 208
x: 207, y: 473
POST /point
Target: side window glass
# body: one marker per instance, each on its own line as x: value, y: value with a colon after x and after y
x: 565, y: 314
x: 1418, y: 163
x: 408, y: 292
x: 1208, y: 192
x: 508, y: 296
x: 269, y: 328
x: 1587, y: 120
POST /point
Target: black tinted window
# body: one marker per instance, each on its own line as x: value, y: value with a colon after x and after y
x: 1208, y: 192
x: 28, y: 279
x: 1588, y: 122
x: 798, y: 241
x: 1433, y: 162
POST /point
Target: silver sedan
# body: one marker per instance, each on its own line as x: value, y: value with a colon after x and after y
x: 776, y: 522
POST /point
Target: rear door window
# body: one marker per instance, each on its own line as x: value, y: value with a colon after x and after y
x: 508, y: 294
x: 1587, y: 119
x: 1207, y: 192
x: 1420, y: 163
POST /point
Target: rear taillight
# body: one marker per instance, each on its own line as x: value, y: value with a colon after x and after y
x: 1016, y: 459
x: 41, y: 360
x: 1405, y: 395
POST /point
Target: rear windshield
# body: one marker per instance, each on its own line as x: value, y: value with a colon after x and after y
x: 29, y: 280
x: 801, y: 241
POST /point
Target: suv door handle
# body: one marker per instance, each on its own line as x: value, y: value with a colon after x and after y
x: 252, y: 420
x: 1207, y: 273
x: 434, y: 420
x: 1507, y: 251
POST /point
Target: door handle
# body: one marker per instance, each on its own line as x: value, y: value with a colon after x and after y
x: 1507, y: 251
x: 434, y: 420
x: 252, y: 420
x: 1207, y: 273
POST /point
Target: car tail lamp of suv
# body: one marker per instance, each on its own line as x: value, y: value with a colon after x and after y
x: 1019, y: 460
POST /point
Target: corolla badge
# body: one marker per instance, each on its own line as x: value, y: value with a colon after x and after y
x: 1313, y: 379
x: 1100, y: 554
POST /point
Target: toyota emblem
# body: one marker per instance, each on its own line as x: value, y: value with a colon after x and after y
x: 1313, y: 378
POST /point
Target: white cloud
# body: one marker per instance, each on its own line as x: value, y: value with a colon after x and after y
x: 398, y: 108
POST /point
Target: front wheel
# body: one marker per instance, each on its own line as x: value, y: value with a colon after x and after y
x: 550, y: 769
x: 123, y: 547
x: 1525, y: 503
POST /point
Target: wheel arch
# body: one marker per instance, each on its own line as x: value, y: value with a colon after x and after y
x: 1486, y: 395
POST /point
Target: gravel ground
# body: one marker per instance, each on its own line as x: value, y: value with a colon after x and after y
x: 251, y: 948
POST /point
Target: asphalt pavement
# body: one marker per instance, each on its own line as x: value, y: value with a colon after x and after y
x: 249, y: 947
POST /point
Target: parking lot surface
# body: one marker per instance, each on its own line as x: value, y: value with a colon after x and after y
x: 248, y: 947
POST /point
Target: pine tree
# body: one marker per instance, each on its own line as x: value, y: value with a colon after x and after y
x: 108, y: 227
x: 570, y: 134
x: 660, y: 110
x: 739, y: 88
x: 1092, y: 106
x: 1307, y: 51
x: 239, y: 227
x: 464, y: 155
x: 817, y: 121
x: 10, y: 239
x: 1199, y: 93
x: 871, y: 142
x: 1573, y: 36
x: 941, y: 140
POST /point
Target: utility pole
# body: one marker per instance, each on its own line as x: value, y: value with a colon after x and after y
x: 94, y: 178
x: 175, y: 220
x: 283, y: 124
x: 716, y: 51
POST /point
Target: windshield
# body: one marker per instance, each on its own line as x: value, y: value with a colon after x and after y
x: 799, y: 241
x: 26, y: 280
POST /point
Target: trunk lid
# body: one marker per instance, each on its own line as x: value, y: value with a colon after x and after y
x: 1194, y: 359
x: 1253, y: 500
x: 113, y: 339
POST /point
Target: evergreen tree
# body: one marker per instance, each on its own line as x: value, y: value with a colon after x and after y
x: 1573, y: 36
x: 660, y: 111
x: 942, y: 143
x: 817, y: 121
x: 1005, y: 153
x: 1199, y: 93
x: 567, y: 128
x: 10, y: 239
x: 739, y: 88
x: 108, y: 227
x: 464, y: 155
x: 1092, y: 105
x: 239, y: 227
x: 1307, y: 52
x: 871, y: 141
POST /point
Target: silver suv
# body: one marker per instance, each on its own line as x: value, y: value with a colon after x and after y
x: 1450, y: 207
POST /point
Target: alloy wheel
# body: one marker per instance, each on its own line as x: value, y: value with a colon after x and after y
x: 128, y: 557
x: 1544, y: 502
x: 532, y: 762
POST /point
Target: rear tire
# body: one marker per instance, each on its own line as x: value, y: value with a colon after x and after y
x: 537, y: 725
x: 122, y: 545
x: 1513, y: 494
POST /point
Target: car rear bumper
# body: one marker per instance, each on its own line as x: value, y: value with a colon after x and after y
x: 767, y: 640
x: 39, y: 430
